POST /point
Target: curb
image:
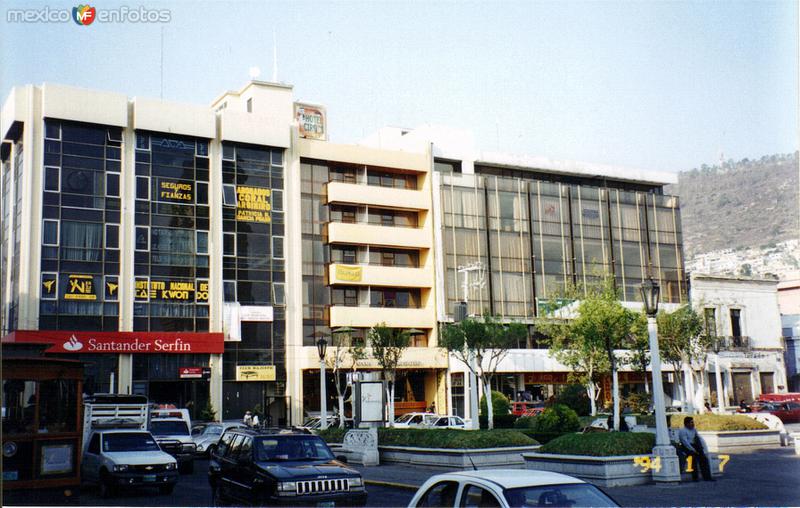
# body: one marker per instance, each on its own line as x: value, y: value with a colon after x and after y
x: 381, y: 483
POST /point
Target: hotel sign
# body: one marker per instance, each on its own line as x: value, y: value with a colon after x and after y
x: 121, y: 342
x: 310, y: 121
x: 253, y: 204
x: 255, y: 373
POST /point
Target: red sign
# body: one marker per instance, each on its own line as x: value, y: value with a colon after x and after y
x: 556, y: 378
x: 190, y: 372
x: 122, y: 342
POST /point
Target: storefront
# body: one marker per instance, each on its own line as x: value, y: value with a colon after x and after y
x: 167, y: 367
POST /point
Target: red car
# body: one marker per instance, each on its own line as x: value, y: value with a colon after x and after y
x: 788, y: 412
x: 526, y: 408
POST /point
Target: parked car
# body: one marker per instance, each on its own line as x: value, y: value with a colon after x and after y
x: 506, y: 488
x: 780, y: 397
x: 314, y: 423
x: 788, y: 412
x: 414, y: 419
x: 446, y: 422
x: 173, y: 436
x: 267, y: 468
x: 526, y: 408
x: 209, y: 435
x: 116, y: 458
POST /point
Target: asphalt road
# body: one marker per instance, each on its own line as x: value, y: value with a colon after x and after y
x: 191, y: 490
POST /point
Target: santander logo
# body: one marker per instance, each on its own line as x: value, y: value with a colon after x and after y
x: 73, y: 344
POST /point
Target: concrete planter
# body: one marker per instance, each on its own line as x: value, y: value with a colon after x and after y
x: 741, y: 440
x: 615, y: 471
x: 456, y: 458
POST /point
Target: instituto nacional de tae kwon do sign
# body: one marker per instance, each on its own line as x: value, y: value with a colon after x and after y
x: 121, y: 342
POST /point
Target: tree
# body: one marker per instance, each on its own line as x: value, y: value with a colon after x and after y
x: 487, y: 341
x: 600, y: 327
x: 388, y: 345
x: 638, y: 355
x: 683, y: 342
x: 343, y: 355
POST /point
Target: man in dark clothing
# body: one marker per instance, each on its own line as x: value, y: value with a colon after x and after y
x: 694, y: 446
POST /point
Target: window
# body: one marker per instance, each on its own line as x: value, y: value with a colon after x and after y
x: 445, y: 165
x: 387, y: 258
x: 277, y: 200
x: 50, y: 232
x: 142, y: 238
x: 52, y: 179
x: 112, y: 236
x: 736, y: 324
x: 250, y: 105
x: 229, y: 195
x: 229, y: 244
x: 201, y: 149
x: 142, y: 141
x: 112, y: 184
x: 94, y: 444
x: 112, y: 288
x: 709, y: 315
x: 277, y: 247
x: 229, y: 288
x: 475, y: 496
x: 228, y: 152
x: 52, y: 130
x: 201, y: 193
x: 279, y: 293
x: 142, y: 187
x: 202, y: 242
x: 225, y: 443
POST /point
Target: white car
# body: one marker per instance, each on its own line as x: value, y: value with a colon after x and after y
x: 414, y: 419
x: 447, y: 422
x: 208, y: 438
x: 507, y: 488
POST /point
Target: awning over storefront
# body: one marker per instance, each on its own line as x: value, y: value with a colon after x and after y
x: 121, y: 342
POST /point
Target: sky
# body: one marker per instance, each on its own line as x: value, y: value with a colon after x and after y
x: 654, y: 85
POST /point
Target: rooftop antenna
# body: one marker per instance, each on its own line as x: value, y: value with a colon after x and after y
x: 274, y: 56
x: 162, y: 62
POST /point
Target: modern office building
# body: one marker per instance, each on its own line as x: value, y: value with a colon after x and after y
x: 513, y: 232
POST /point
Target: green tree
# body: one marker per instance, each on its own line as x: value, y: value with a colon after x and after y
x: 638, y: 354
x: 487, y: 341
x: 343, y: 355
x: 683, y: 342
x: 388, y: 345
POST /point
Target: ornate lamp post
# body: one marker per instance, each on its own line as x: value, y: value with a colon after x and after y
x: 322, y: 347
x: 669, y: 472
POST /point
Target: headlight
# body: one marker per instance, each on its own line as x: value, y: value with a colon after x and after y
x: 172, y: 465
x: 189, y: 447
x: 118, y: 468
x: 356, y: 481
x: 287, y: 488
x: 200, y: 448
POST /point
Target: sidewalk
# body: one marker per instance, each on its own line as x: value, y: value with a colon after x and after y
x: 763, y: 478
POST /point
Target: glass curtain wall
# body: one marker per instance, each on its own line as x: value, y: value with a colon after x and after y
x: 535, y: 238
x: 316, y: 294
x: 80, y: 227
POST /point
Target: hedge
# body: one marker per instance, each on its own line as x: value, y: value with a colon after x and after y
x: 602, y: 444
x: 333, y: 434
x: 453, y: 438
x: 714, y: 422
x: 554, y: 421
x: 500, y: 421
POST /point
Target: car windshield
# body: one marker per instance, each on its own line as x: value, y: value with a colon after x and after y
x: 213, y: 430
x: 581, y: 494
x: 280, y: 448
x: 129, y: 442
x: 169, y: 428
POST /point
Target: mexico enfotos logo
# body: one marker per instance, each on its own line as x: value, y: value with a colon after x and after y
x: 85, y: 15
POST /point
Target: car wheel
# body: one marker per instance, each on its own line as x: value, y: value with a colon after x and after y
x: 107, y: 488
x: 187, y: 467
x: 166, y: 489
x: 211, y: 451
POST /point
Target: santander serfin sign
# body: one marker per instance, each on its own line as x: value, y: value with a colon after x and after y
x: 121, y: 342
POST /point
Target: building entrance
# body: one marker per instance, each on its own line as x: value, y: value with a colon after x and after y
x: 192, y: 394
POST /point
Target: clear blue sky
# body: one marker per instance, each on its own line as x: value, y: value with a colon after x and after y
x: 656, y: 85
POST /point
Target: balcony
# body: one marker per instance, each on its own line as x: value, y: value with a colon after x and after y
x: 360, y: 194
x: 370, y: 316
x: 376, y: 275
x: 731, y: 343
x: 370, y: 234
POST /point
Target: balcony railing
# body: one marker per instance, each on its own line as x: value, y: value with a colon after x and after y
x: 731, y: 343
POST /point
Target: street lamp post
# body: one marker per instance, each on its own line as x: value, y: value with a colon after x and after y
x: 322, y: 346
x: 669, y: 472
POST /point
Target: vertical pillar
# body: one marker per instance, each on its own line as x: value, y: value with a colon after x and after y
x: 215, y: 384
x: 125, y: 373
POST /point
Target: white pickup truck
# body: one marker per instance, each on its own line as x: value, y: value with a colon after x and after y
x: 118, y: 450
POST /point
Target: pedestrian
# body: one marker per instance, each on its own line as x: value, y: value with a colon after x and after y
x: 694, y: 446
x: 743, y: 408
x: 255, y: 420
x: 248, y: 418
x: 708, y: 407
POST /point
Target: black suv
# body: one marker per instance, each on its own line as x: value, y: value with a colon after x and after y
x: 281, y: 468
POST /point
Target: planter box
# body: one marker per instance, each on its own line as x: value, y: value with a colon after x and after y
x: 741, y: 440
x: 615, y: 471
x: 456, y: 458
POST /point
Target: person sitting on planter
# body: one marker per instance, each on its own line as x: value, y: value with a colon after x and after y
x: 694, y: 446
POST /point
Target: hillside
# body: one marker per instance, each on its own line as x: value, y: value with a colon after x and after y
x: 741, y: 205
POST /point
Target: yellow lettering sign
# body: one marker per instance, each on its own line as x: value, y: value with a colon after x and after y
x: 255, y: 373
x: 348, y: 273
x: 80, y: 287
x: 253, y: 204
x: 202, y: 292
x: 175, y: 191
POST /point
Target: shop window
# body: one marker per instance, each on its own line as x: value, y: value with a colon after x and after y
x: 19, y: 406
